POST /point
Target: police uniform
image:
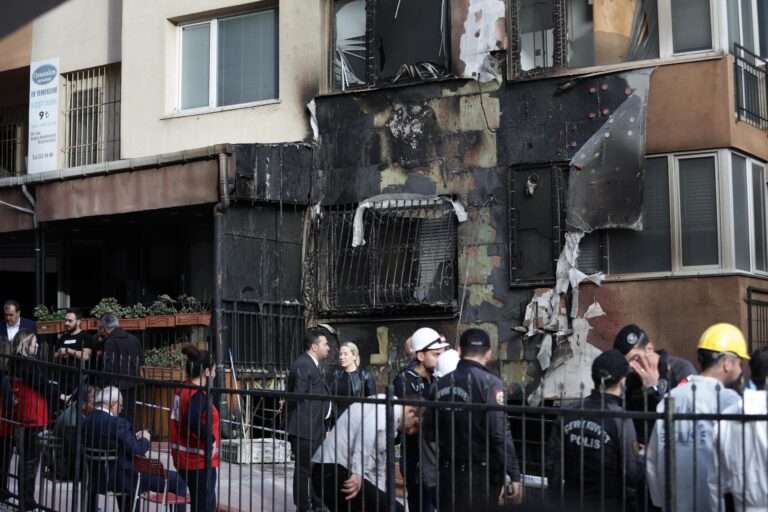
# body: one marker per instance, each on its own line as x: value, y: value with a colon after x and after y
x: 475, y: 448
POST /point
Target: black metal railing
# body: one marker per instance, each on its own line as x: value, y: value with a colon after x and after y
x: 757, y: 318
x: 272, y: 447
x: 751, y: 73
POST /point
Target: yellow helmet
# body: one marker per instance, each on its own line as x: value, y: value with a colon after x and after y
x: 724, y: 338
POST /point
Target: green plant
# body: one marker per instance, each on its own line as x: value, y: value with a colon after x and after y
x: 164, y: 305
x: 43, y: 314
x: 189, y: 304
x: 108, y: 305
x: 165, y: 357
x: 138, y: 310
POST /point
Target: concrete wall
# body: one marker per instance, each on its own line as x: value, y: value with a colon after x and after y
x: 692, y: 107
x: 16, y: 48
x: 82, y: 33
x: 674, y: 311
x: 149, y: 75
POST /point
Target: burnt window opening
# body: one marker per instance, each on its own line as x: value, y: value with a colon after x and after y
x: 537, y: 227
x: 377, y: 42
x: 582, y: 33
x: 407, y: 264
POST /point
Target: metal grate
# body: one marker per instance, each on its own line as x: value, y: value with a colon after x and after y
x: 92, y: 111
x: 751, y: 87
x: 757, y: 318
x: 409, y: 259
x: 13, y: 140
x: 263, y: 335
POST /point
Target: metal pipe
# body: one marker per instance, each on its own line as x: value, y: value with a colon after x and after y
x: 218, y: 267
x: 38, y: 250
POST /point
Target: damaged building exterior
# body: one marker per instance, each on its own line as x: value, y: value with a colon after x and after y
x: 548, y: 170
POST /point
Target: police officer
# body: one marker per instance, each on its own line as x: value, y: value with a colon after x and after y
x: 597, y: 462
x: 476, y: 452
x: 415, y: 381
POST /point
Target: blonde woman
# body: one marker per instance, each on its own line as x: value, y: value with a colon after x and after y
x: 350, y: 379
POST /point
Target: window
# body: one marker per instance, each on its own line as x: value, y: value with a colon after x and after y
x: 229, y: 61
x: 583, y: 33
x: 698, y: 211
x: 748, y: 181
x: 742, y: 25
x: 758, y: 207
x: 92, y: 115
x: 411, y: 42
x: 740, y: 212
x: 408, y: 259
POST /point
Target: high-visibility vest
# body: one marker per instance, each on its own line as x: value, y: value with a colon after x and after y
x: 187, y: 449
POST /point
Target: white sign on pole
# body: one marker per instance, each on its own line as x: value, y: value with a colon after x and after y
x: 43, y: 115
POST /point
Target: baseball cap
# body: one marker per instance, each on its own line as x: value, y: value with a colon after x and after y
x: 629, y: 337
x: 610, y: 365
x: 427, y: 338
x: 475, y: 338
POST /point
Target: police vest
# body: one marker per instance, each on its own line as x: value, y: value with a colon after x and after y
x: 187, y: 449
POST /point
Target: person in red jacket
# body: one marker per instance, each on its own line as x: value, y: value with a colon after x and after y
x: 30, y: 388
x: 195, y: 431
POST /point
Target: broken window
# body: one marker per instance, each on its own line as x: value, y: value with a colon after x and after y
x: 411, y: 41
x: 407, y: 258
x: 537, y: 34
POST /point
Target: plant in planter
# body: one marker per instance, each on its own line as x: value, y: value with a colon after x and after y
x: 48, y: 321
x: 161, y: 312
x: 192, y: 312
x: 165, y: 363
x: 108, y: 305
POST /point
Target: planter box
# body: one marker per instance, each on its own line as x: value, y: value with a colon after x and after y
x: 161, y: 321
x: 89, y: 324
x: 133, y: 324
x: 154, y: 402
x: 193, y: 319
x: 49, y: 327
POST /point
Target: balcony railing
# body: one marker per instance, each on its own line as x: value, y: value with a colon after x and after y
x: 13, y: 140
x: 751, y: 87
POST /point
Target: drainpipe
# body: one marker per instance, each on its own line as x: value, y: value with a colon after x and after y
x: 218, y: 267
x: 39, y: 249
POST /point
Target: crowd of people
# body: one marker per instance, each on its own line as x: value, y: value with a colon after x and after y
x: 455, y: 446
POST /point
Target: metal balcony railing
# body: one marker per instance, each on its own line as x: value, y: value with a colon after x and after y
x: 751, y: 87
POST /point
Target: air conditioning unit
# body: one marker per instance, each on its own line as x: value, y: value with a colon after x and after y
x: 255, y: 451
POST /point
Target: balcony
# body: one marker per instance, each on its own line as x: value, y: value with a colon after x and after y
x: 751, y: 76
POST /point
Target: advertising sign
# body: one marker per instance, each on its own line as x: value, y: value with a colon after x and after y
x: 43, y: 115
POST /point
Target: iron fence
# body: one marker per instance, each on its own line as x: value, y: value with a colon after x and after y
x: 751, y: 72
x: 757, y: 318
x: 62, y: 446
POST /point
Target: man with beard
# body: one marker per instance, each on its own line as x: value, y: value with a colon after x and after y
x: 721, y: 350
x: 73, y: 348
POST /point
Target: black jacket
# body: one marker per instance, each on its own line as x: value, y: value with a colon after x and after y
x: 25, y: 323
x: 359, y: 383
x: 672, y: 372
x: 123, y: 355
x: 596, y: 444
x: 481, y: 441
x: 306, y: 418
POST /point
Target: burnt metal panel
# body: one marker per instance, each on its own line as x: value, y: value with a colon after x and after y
x: 273, y: 172
x: 188, y: 184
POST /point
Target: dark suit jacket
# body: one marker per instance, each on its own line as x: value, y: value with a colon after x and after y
x: 123, y: 355
x: 306, y: 418
x: 106, y: 432
x: 26, y: 323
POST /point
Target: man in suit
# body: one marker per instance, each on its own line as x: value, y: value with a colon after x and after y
x: 104, y: 429
x: 306, y: 418
x: 13, y: 321
x: 123, y: 355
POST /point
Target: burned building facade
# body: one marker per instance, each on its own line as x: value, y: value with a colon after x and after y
x: 548, y: 170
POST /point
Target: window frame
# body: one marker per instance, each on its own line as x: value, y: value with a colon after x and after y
x: 755, y: 27
x: 213, y: 63
x: 751, y: 163
x: 718, y: 36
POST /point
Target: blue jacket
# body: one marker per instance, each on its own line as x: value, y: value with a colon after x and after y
x: 106, y: 432
x: 26, y: 323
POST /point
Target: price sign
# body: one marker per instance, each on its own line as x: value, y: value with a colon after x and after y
x: 43, y: 115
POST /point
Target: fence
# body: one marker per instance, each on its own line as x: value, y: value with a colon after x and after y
x: 443, y: 455
x: 757, y: 318
x: 751, y: 72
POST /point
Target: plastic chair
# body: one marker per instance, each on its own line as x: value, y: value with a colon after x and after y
x: 153, y: 467
x: 100, y: 459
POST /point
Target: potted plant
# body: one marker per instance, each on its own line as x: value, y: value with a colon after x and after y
x: 47, y: 321
x: 128, y: 320
x: 192, y: 312
x: 161, y: 312
x: 133, y: 317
